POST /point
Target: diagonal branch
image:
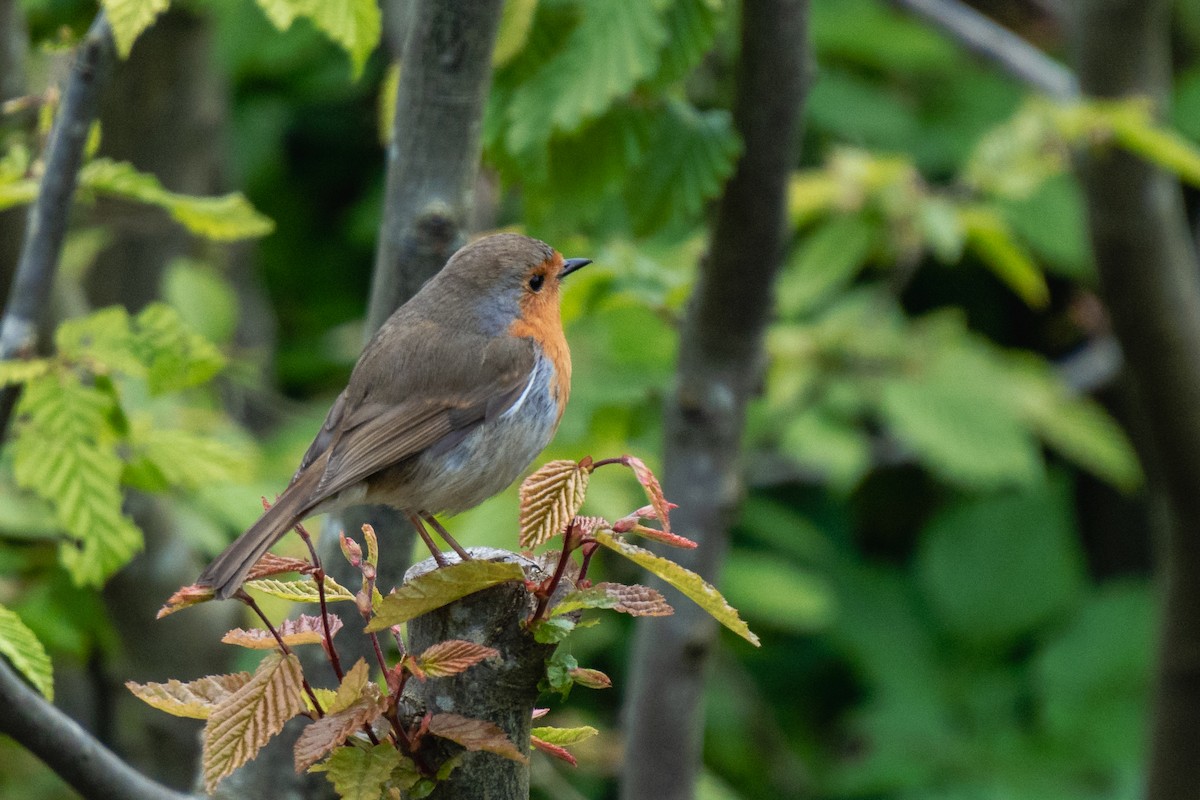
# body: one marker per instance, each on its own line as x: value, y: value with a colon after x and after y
x: 46, y: 225
x: 68, y: 749
x: 996, y: 43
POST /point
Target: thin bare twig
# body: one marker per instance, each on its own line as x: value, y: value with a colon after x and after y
x: 998, y: 44
x: 46, y: 225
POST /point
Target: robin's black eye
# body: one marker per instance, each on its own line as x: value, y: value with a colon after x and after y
x: 536, y: 282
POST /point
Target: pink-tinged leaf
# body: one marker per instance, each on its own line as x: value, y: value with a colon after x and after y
x: 550, y: 499
x: 441, y: 587
x: 553, y: 750
x: 475, y: 734
x: 350, y: 550
x: 565, y: 737
x: 653, y: 489
x: 304, y: 629
x: 244, y: 721
x: 331, y: 730
x: 372, y: 545
x: 184, y: 597
x: 671, y: 539
x: 590, y: 678
x: 195, y: 699
x: 700, y: 591
x: 538, y: 713
x: 452, y: 657
x: 271, y: 565
x: 635, y: 600
x: 361, y: 773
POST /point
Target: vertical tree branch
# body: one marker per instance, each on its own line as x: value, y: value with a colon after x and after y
x: 719, y: 368
x: 1151, y: 283
x: 46, y: 225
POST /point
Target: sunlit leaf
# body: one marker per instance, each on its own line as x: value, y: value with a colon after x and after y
x: 244, y: 721
x: 689, y: 583
x: 516, y: 18
x: 304, y: 629
x: 565, y: 737
x: 440, y: 587
x: 550, y: 498
x: 129, y: 18
x: 23, y: 650
x: 991, y: 239
x: 452, y: 657
x: 22, y: 370
x: 195, y: 699
x: 187, y: 596
x: 303, y: 590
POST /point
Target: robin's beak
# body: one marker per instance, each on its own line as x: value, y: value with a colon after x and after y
x: 572, y: 264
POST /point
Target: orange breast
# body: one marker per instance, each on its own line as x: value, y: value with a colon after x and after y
x: 541, y: 321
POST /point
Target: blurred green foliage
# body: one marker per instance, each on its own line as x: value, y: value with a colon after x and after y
x: 937, y: 620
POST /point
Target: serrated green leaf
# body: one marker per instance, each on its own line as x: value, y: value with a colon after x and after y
x: 691, y: 30
x: 553, y: 630
x: 615, y: 45
x: 564, y: 737
x: 361, y: 772
x: 247, y: 719
x: 22, y: 370
x: 23, y: 650
x: 687, y: 161
x: 689, y: 583
x: 191, y: 460
x: 303, y: 590
x: 102, y: 340
x: 355, y: 25
x: 175, y: 358
x: 129, y: 18
x: 64, y: 452
x: 440, y: 587
x: 828, y: 257
x: 989, y: 236
x: 226, y: 218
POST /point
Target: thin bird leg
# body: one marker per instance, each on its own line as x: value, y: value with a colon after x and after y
x: 445, y: 534
x: 427, y: 539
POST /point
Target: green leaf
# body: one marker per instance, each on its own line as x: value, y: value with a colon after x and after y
x: 174, y: 356
x: 687, y: 160
x: 191, y: 460
x: 691, y: 30
x: 226, y: 218
x: 615, y: 45
x: 989, y: 236
x: 102, y: 340
x: 1051, y: 221
x: 195, y: 699
x: 997, y: 568
x: 23, y: 650
x: 953, y: 412
x: 63, y: 454
x: 247, y: 719
x: 552, y: 630
x: 440, y: 587
x: 303, y: 590
x: 1136, y: 130
x: 353, y: 24
x: 689, y: 583
x: 516, y: 19
x: 204, y: 298
x: 637, y: 601
x: 15, y: 193
x: 558, y: 672
x: 828, y: 258
x: 129, y: 18
x: 565, y: 737
x: 361, y: 773
x: 835, y: 447
x: 22, y: 370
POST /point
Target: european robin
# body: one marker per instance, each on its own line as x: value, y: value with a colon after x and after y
x: 450, y: 401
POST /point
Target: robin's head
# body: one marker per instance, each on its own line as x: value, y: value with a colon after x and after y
x: 511, y: 277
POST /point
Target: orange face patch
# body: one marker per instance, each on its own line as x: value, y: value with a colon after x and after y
x: 541, y: 321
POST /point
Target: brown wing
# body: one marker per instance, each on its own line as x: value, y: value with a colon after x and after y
x: 424, y: 404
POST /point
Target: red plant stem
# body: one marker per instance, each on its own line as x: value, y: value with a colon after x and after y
x: 287, y: 651
x: 335, y: 660
x: 606, y: 461
x: 545, y: 592
x: 589, y: 547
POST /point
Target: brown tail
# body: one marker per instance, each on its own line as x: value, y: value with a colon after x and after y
x: 227, y: 571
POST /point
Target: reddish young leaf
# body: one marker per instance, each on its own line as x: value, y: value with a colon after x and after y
x: 195, y: 699
x: 550, y: 498
x: 475, y: 734
x: 304, y: 629
x: 332, y: 730
x: 538, y: 713
x: 590, y: 678
x: 244, y: 721
x: 184, y: 597
x: 671, y: 539
x: 554, y: 750
x: 653, y: 489
x: 452, y: 657
x: 270, y: 565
